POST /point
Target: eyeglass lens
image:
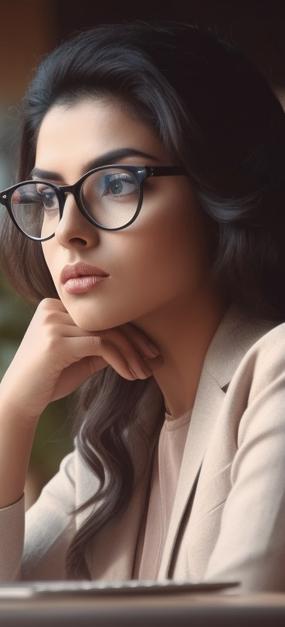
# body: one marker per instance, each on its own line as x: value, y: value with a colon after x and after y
x: 109, y: 196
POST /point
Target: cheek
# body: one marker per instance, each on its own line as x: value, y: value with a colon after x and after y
x: 166, y: 254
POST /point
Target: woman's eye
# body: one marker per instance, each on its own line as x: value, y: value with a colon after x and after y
x: 119, y: 185
x: 48, y: 198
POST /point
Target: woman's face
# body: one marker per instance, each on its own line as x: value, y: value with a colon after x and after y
x: 160, y: 259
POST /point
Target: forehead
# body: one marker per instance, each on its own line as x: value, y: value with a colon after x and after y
x: 71, y: 135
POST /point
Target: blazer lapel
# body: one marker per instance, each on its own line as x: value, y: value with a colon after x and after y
x: 233, y: 337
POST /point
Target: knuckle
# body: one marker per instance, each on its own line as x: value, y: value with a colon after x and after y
x: 46, y: 312
x: 102, y: 332
x: 45, y: 304
x: 51, y: 342
x: 50, y: 317
x: 97, y: 342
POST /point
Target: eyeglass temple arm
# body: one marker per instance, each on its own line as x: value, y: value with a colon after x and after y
x: 165, y: 170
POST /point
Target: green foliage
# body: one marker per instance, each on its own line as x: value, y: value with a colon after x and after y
x: 52, y: 440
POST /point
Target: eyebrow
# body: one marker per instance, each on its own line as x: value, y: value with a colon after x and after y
x: 108, y: 158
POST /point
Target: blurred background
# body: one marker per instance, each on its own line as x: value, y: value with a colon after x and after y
x: 31, y: 28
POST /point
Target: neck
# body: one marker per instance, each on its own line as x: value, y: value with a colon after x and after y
x: 183, y: 331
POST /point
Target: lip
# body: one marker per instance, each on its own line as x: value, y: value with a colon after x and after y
x: 80, y: 270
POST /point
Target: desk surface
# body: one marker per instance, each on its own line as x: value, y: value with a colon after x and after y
x: 197, y: 610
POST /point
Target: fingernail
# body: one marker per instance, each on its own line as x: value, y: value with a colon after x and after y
x: 155, y: 361
x: 147, y: 371
x: 133, y: 373
x: 151, y: 351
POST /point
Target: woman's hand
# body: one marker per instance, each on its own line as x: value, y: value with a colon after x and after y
x: 55, y: 357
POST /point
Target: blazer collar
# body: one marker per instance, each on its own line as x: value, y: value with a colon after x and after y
x: 233, y: 337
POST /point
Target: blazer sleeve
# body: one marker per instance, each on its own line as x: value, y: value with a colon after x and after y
x: 33, y: 544
x: 251, y: 544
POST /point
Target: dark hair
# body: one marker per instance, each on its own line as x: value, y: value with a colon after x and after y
x: 215, y: 114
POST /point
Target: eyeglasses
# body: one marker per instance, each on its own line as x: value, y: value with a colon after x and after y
x: 110, y: 197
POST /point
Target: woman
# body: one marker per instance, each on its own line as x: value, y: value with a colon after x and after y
x: 151, y: 157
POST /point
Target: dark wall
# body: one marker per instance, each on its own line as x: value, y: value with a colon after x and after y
x: 257, y: 26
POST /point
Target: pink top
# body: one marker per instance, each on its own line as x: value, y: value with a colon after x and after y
x: 165, y: 472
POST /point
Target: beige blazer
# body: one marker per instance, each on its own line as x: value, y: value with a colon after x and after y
x: 228, y: 517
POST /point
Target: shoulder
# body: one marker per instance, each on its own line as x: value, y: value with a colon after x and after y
x: 260, y: 381
x: 262, y: 354
x: 272, y: 339
x: 265, y: 359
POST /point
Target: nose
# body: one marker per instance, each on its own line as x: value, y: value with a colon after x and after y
x: 73, y: 228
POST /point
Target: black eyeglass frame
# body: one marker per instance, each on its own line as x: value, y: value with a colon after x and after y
x: 140, y: 172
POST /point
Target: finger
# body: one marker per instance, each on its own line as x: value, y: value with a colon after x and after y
x: 143, y: 344
x: 134, y: 358
x: 93, y: 346
x: 73, y: 376
x: 141, y: 366
x: 59, y: 319
x: 150, y: 354
x: 51, y: 304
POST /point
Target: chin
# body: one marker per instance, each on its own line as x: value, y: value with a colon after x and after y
x: 90, y: 323
x: 94, y: 320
